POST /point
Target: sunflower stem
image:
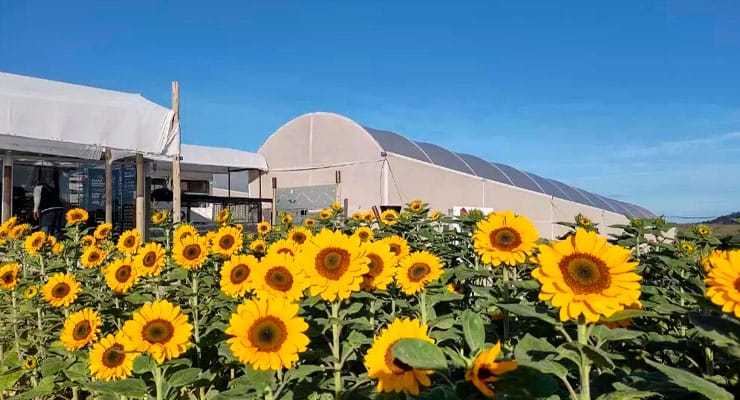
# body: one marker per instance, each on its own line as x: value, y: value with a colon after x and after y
x: 585, y: 367
x: 196, y: 318
x: 506, y: 300
x: 423, y: 306
x: 15, y: 325
x: 158, y: 382
x: 39, y: 325
x: 336, y: 329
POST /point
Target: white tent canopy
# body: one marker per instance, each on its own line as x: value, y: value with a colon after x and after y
x: 39, y: 115
x: 216, y: 160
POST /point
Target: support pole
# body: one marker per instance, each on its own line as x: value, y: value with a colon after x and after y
x: 140, y: 203
x: 176, y: 192
x: 7, y: 186
x: 108, y: 186
x: 228, y: 182
x: 273, y: 217
x: 338, y: 181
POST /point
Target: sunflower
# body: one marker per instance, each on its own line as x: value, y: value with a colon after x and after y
x: 263, y: 228
x: 191, y: 252
x: 18, y: 231
x: 121, y: 275
x: 486, y: 369
x: 434, y: 216
x: 31, y: 292
x: 4, y: 232
x: 364, y: 233
x: 102, y: 231
x: 325, y: 214
x: 160, y: 329
x: 34, y: 242
x: 299, y: 235
x: 583, y: 221
x: 183, y: 231
x: 9, y: 223
x: 159, y: 217
x: 389, y: 217
x: 703, y: 230
x: 9, y: 276
x: 80, y: 329
x: 706, y: 261
x: 455, y: 288
x: 258, y: 246
x: 334, y: 264
x: 109, y: 359
x: 278, y: 275
x: 392, y: 374
x: 236, y: 275
x: 284, y: 246
x: 30, y: 363
x: 150, y: 260
x: 416, y: 206
x: 309, y: 222
x: 76, y: 216
x: 687, y: 247
x: 129, y: 241
x: 723, y: 282
x: 267, y: 334
x: 416, y: 270
x: 397, y: 245
x: 92, y: 257
x: 227, y: 241
x: 51, y: 240
x: 336, y: 206
x: 286, y: 219
x: 87, y: 241
x: 583, y: 275
x: 58, y: 248
x: 505, y: 238
x: 61, y: 289
x: 357, y: 216
x: 381, y: 268
x: 368, y: 216
x: 223, y: 216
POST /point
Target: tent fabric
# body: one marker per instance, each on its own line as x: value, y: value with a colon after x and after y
x: 39, y: 115
x: 216, y: 160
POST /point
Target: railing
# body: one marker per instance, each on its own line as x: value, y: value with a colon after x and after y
x: 200, y: 209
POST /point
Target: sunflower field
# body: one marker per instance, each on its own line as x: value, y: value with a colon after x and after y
x: 364, y: 306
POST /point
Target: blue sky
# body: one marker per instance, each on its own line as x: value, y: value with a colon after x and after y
x: 637, y: 100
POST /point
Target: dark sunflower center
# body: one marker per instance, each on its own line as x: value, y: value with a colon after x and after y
x: 259, y: 248
x: 8, y: 277
x: 149, y: 259
x: 363, y: 235
x: 485, y: 373
x: 123, y: 273
x: 130, y: 241
x: 60, y: 290
x: 37, y: 242
x: 226, y: 242
x: 375, y: 266
x: 76, y: 216
x: 285, y: 250
x: 158, y: 331
x: 396, y: 366
x: 418, y: 271
x: 395, y: 249
x: 185, y: 234
x: 268, y: 334
x: 332, y: 262
x: 279, y: 278
x: 104, y: 232
x: 93, y: 257
x: 390, y: 217
x: 191, y: 252
x: 737, y: 285
x: 239, y: 274
x: 505, y: 238
x: 114, y: 356
x: 299, y: 237
x: 82, y: 330
x: 584, y: 273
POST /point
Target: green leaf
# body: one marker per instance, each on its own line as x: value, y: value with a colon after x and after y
x: 53, y: 365
x: 419, y: 354
x: 473, y: 330
x: 137, y: 298
x: 77, y: 372
x: 444, y: 322
x: 527, y: 311
x: 626, y: 314
x: 143, y: 364
x: 627, y: 395
x: 8, y: 379
x: 691, y: 382
x: 183, y: 377
x: 44, y: 387
x: 528, y: 284
x: 602, y: 332
x: 598, y: 357
x: 128, y: 387
x: 547, y: 367
x: 301, y: 372
x: 531, y: 348
x: 718, y: 329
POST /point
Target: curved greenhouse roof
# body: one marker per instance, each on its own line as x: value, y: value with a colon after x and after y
x: 469, y: 164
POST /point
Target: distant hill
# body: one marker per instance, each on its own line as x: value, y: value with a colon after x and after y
x: 725, y: 219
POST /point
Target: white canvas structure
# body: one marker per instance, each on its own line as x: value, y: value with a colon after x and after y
x: 214, y: 160
x: 384, y: 168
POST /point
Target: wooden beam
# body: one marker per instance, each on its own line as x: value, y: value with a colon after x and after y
x: 140, y: 203
x: 108, y: 186
x: 7, y: 186
x: 176, y: 191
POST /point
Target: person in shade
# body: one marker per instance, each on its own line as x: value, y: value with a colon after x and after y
x: 48, y: 208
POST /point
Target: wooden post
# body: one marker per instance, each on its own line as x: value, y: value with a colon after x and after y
x: 7, y: 186
x: 108, y: 186
x: 176, y: 191
x: 273, y: 216
x: 140, y: 203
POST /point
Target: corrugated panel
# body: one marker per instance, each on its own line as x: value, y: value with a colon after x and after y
x: 445, y: 158
x: 548, y: 186
x: 395, y: 143
x: 484, y: 169
x: 519, y: 178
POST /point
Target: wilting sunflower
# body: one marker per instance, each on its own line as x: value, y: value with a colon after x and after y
x: 583, y: 275
x: 61, y: 289
x: 397, y: 245
x: 9, y: 276
x: 267, y: 334
x: 18, y: 231
x: 703, y: 230
x: 80, y: 329
x: 109, y: 359
x: 103, y: 230
x: 183, y: 231
x: 263, y: 228
x: 368, y: 216
x: 258, y: 246
x: 309, y: 222
x: 364, y: 233
x: 159, y: 217
x: 486, y: 369
x: 278, y: 275
x: 30, y: 362
x: 416, y: 206
x: 92, y: 257
x: 336, y: 206
x: 434, y: 216
x: 389, y: 217
x: 416, y: 270
x: 325, y: 214
x: 34, y: 242
x: 160, y: 329
x: 299, y: 235
x: 706, y: 261
x: 236, y: 274
x: 121, y: 275
x: 505, y: 238
x: 129, y: 241
x: 687, y: 247
x: 191, y: 252
x: 357, y: 216
x: 58, y: 248
x: 334, y: 264
x: 87, y: 241
x: 31, y: 292
x: 381, y: 268
x: 723, y: 282
x: 150, y: 260
x: 223, y: 216
x: 227, y: 241
x: 392, y: 374
x: 76, y: 216
x: 286, y: 219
